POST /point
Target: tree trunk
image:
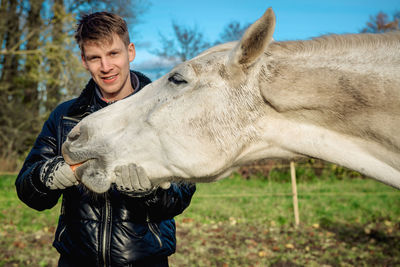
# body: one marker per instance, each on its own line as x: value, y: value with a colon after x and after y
x: 9, y: 72
x: 3, y: 21
x: 56, y: 57
x: 12, y: 37
x: 32, y: 64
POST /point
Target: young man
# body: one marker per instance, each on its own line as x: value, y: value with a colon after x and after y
x: 120, y: 227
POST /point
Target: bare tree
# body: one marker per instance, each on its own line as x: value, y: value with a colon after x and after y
x: 232, y: 32
x: 131, y: 10
x: 186, y: 43
x: 381, y: 23
x: 40, y: 63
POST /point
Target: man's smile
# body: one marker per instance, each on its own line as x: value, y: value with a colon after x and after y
x: 109, y: 79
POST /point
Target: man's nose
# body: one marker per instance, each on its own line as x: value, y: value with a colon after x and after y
x: 106, y: 65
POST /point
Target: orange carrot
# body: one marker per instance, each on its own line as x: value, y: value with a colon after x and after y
x: 73, y: 167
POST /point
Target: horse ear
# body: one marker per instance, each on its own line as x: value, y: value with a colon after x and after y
x: 254, y: 41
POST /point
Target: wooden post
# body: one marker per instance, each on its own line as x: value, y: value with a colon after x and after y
x: 294, y: 191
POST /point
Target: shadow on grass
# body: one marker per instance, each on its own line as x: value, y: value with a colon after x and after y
x: 381, y: 238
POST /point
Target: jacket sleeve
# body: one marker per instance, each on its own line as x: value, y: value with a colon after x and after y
x: 29, y: 187
x: 166, y: 204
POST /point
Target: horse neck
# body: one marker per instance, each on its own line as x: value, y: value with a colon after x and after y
x: 333, y: 80
x: 361, y: 53
x: 343, y: 88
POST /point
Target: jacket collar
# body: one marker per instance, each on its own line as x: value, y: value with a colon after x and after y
x: 99, y: 96
x: 89, y: 101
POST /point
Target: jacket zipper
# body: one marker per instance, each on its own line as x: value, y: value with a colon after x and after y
x: 106, y: 229
x: 61, y: 232
x: 71, y: 119
x: 62, y: 212
x: 154, y: 231
x: 77, y: 118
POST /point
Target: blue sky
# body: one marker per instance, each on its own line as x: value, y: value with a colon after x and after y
x: 295, y: 19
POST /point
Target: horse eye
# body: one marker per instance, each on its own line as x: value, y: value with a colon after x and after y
x: 176, y: 79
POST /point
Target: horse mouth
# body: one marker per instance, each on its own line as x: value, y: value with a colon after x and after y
x: 77, y: 165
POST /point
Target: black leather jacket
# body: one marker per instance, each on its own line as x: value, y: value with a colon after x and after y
x: 111, y: 229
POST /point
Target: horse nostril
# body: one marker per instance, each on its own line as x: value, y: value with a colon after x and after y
x: 74, y: 134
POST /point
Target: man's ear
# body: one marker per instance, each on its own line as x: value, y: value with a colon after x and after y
x: 131, y: 52
x: 84, y: 61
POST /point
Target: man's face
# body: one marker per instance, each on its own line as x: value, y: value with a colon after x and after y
x: 108, y: 63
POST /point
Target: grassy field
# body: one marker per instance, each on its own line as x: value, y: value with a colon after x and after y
x: 238, y: 222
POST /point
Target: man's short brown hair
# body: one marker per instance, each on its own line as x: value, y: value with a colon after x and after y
x: 101, y: 26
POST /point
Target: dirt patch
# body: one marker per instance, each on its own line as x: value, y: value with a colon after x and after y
x: 325, y: 244
x: 232, y: 244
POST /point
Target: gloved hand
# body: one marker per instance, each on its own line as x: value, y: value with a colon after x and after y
x: 133, y: 178
x: 165, y: 185
x: 57, y: 174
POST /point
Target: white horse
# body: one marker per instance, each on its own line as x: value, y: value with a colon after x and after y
x: 335, y: 98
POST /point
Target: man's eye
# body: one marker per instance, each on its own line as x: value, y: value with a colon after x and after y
x: 176, y: 79
x: 93, y: 59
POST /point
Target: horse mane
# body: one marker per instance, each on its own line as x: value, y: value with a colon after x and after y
x: 333, y: 42
x: 337, y: 42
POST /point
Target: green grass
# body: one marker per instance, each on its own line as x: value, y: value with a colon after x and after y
x: 253, y: 200
x: 238, y: 222
x: 264, y: 202
x: 15, y: 212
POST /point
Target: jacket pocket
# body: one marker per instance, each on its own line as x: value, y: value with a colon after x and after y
x: 155, y: 230
x: 61, y: 230
x: 133, y: 230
